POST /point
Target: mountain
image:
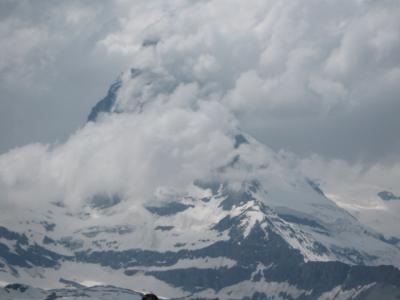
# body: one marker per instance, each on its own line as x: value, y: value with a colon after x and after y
x: 387, y: 196
x: 249, y: 227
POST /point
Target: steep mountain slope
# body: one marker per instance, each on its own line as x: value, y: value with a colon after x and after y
x: 162, y: 191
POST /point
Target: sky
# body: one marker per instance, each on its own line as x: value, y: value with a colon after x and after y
x: 319, y: 80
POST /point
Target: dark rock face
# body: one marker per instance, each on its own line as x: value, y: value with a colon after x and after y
x: 71, y: 243
x: 10, y: 235
x: 239, y: 197
x: 48, y: 226
x: 193, y: 279
x: 168, y: 209
x: 105, y: 104
x: 71, y: 283
x: 17, y: 287
x: 150, y: 43
x: 211, y: 185
x: 23, y: 254
x: 379, y: 291
x: 240, y: 140
x: 52, y: 296
x: 103, y: 201
x: 164, y: 228
x: 96, y: 230
x: 315, y: 187
x: 47, y: 240
x: 388, y: 196
x: 302, y: 221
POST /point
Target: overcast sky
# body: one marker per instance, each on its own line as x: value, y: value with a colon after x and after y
x: 51, y: 68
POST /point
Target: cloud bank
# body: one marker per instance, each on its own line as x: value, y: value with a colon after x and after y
x: 314, y: 77
x: 310, y: 77
x: 132, y: 156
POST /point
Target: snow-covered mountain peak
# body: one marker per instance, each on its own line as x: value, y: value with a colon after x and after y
x: 163, y: 188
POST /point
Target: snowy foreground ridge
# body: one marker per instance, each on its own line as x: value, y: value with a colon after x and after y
x: 18, y: 291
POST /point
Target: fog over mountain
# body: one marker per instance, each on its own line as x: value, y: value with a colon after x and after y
x: 318, y: 79
x: 322, y: 74
x: 215, y: 123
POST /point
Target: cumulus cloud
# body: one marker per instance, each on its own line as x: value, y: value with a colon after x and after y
x: 305, y: 76
x: 308, y: 77
x: 130, y: 155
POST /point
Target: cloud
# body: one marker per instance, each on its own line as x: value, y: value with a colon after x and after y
x: 314, y: 77
x: 309, y: 77
x: 131, y: 155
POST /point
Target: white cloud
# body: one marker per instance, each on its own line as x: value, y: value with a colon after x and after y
x: 278, y: 64
x: 314, y: 64
x: 132, y: 155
